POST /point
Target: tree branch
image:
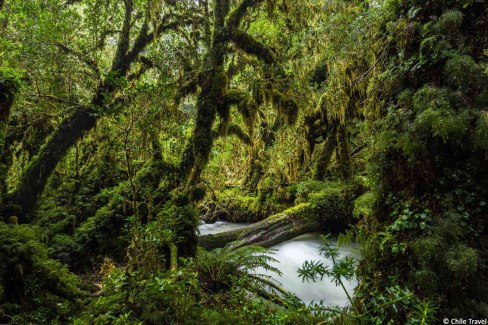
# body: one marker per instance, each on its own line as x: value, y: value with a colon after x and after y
x: 235, y: 97
x: 234, y: 129
x: 235, y: 17
x: 124, y: 40
x: 250, y: 45
x: 80, y: 56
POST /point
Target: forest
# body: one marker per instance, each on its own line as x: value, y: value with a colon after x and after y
x: 128, y: 127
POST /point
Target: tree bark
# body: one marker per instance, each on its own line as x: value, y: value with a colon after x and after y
x: 299, y: 220
x: 212, y: 99
x: 325, y: 156
x: 271, y: 231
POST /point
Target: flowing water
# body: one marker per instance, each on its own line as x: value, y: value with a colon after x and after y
x: 291, y: 254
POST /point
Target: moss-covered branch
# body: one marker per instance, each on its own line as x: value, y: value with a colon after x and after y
x: 89, y: 62
x: 236, y: 16
x: 251, y: 46
x: 234, y: 129
x: 236, y: 97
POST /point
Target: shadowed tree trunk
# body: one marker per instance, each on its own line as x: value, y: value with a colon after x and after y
x: 7, y: 93
x: 326, y: 155
x: 257, y: 161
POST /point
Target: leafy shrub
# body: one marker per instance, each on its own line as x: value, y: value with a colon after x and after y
x: 33, y: 287
x: 221, y: 267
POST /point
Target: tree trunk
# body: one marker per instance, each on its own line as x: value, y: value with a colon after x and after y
x: 210, y: 101
x: 35, y: 177
x: 325, y: 157
x: 296, y: 221
x: 271, y: 231
x: 344, y: 160
x: 7, y: 93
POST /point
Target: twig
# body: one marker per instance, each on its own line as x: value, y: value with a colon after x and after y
x: 369, y: 70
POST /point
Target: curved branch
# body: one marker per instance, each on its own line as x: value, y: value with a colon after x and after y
x: 235, y: 17
x: 251, y: 46
x: 236, y: 96
x: 234, y: 129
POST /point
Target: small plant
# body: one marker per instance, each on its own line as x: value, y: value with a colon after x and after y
x: 408, y: 220
x: 341, y: 268
x: 377, y: 310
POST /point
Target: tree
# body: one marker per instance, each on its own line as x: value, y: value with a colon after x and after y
x: 137, y: 31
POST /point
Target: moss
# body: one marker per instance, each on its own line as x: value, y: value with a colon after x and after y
x: 303, y: 209
x: 449, y: 22
x: 436, y: 115
x: 447, y: 125
x: 239, y: 207
x: 363, y: 205
x: 462, y: 261
x: 431, y: 97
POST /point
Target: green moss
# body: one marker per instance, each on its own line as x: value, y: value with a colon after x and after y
x: 363, y: 205
x: 299, y: 209
x: 462, y: 261
x: 447, y: 125
x: 436, y: 115
x: 449, y: 22
x: 239, y: 207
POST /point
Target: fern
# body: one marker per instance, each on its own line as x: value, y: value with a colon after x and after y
x: 224, y: 267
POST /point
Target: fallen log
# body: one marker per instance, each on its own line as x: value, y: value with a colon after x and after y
x: 329, y: 210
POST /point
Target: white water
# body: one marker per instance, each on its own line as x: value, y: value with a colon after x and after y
x: 291, y: 255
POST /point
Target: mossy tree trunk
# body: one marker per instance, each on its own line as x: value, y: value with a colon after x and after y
x: 7, y: 93
x: 35, y: 177
x: 259, y: 157
x: 343, y: 150
x: 268, y: 232
x: 326, y: 156
x: 215, y: 98
x: 331, y: 211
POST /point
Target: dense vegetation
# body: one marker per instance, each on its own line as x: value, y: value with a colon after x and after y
x: 124, y: 123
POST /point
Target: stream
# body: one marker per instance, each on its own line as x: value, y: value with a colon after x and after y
x: 291, y: 254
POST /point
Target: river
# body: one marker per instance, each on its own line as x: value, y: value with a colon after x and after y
x: 291, y: 254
